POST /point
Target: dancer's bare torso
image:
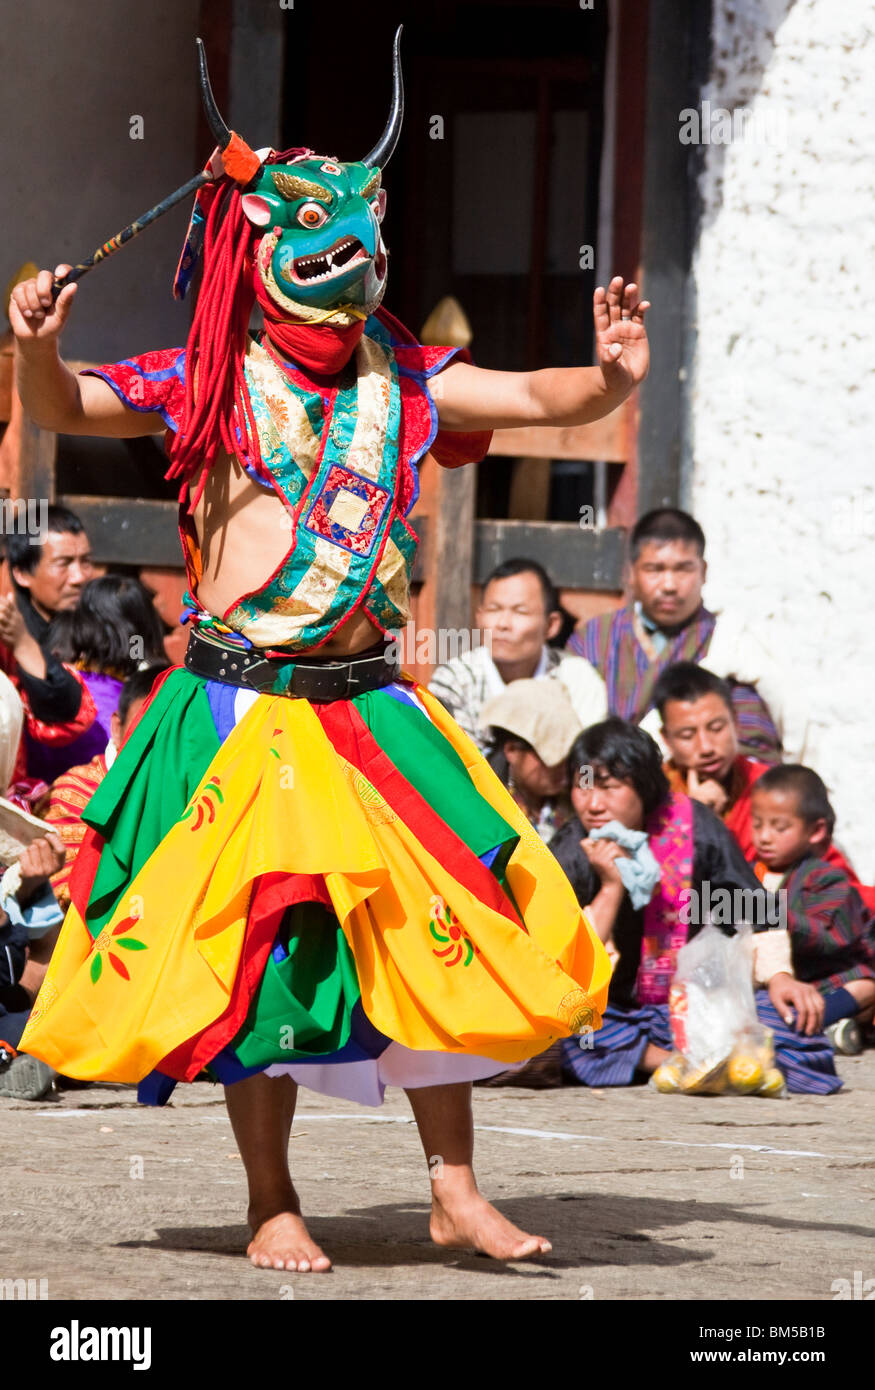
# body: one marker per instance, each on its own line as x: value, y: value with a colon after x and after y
x: 244, y: 533
x: 243, y: 530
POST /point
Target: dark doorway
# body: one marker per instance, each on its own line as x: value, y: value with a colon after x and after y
x: 493, y: 192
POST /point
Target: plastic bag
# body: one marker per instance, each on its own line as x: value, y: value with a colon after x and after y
x: 751, y: 1069
x: 720, y: 1044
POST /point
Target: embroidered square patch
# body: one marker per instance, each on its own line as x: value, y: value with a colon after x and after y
x: 348, y: 510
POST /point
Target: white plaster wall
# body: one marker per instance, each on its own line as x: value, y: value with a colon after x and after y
x: 782, y: 406
x: 71, y: 176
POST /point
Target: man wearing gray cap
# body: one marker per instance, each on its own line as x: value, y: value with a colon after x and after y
x: 532, y: 726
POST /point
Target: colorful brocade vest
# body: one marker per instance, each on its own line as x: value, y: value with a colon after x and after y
x: 342, y: 458
x: 336, y: 469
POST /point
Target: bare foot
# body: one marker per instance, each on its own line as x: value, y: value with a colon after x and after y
x: 283, y: 1242
x: 469, y: 1220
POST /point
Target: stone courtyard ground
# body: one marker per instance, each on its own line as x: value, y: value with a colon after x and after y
x: 644, y: 1196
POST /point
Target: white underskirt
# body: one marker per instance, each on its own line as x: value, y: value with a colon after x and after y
x: 366, y: 1081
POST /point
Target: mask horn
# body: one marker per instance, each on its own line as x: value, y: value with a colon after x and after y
x: 221, y: 133
x: 385, y: 146
x: 239, y: 161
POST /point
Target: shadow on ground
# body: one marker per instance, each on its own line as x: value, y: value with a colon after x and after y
x: 608, y: 1228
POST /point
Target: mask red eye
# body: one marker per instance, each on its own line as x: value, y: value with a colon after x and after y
x: 378, y: 205
x: 311, y: 215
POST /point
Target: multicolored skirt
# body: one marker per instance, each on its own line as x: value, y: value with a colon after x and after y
x: 343, y: 892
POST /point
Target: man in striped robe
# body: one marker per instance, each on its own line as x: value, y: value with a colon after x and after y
x: 667, y: 622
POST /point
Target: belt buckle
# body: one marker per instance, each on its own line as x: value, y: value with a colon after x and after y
x: 358, y: 673
x: 260, y: 674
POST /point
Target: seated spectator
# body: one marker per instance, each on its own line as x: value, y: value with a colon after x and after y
x: 517, y: 616
x: 38, y: 683
x: 30, y: 919
x: 619, y: 786
x: 49, y: 570
x: 832, y: 932
x: 73, y: 790
x: 700, y: 730
x: 114, y: 630
x: 532, y: 727
x: 667, y: 622
x: 11, y: 726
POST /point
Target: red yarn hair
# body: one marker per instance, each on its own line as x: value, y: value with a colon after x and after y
x: 218, y: 414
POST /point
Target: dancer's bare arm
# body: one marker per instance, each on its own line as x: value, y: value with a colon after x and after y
x: 470, y: 398
x: 53, y: 396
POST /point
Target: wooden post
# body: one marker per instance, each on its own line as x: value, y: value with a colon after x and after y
x: 529, y: 490
x: 452, y: 549
x: 448, y: 501
x: 35, y: 474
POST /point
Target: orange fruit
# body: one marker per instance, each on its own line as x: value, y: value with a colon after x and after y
x: 706, y: 1080
x: 773, y: 1083
x: 745, y: 1074
x: 667, y: 1078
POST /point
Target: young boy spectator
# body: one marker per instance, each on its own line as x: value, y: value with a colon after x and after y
x: 832, y: 932
x: 700, y: 729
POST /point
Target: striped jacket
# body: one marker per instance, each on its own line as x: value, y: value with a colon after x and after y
x: 832, y: 932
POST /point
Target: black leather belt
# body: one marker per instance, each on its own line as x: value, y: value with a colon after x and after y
x: 298, y: 678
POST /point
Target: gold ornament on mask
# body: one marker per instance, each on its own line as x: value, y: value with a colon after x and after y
x: 290, y: 186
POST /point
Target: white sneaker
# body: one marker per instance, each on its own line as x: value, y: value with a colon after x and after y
x: 846, y: 1037
x: 25, y: 1078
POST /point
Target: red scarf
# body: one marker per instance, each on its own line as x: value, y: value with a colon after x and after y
x: 321, y: 348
